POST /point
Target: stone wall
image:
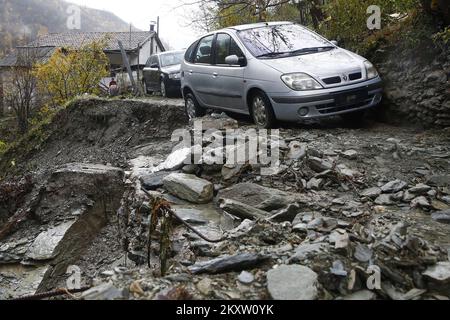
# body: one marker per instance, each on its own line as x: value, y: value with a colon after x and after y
x: 417, y: 87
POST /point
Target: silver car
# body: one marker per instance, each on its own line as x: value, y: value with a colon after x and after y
x: 277, y: 71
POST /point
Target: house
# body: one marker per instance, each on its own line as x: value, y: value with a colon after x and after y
x: 138, y: 46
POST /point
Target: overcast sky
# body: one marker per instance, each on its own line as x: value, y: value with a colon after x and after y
x: 140, y: 12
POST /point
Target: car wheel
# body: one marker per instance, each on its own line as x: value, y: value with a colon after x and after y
x: 262, y: 111
x: 193, y: 108
x: 354, y: 119
x: 163, y: 89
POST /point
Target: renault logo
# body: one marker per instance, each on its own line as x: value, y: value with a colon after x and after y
x: 344, y: 77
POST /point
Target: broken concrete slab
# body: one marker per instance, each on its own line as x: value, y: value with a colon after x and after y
x: 189, y: 187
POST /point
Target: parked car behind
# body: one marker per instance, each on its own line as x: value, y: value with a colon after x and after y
x: 162, y: 73
x: 277, y: 71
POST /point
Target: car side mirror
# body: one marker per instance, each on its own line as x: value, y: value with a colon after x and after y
x: 234, y: 60
x: 334, y: 42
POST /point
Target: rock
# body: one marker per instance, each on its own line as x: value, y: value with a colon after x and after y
x: 420, y: 189
x: 190, y: 169
x: 45, y: 246
x: 394, y: 186
x: 205, y: 286
x: 292, y: 282
x: 230, y: 171
x: 350, y: 154
x: 372, y: 193
x: 362, y: 295
x: 225, y: 264
x: 363, y: 253
x: 304, y: 251
x: 319, y: 165
x: 439, y: 205
x: 189, y: 187
x: 442, y: 216
x: 260, y: 197
x: 407, y: 196
x: 153, y: 181
x: 338, y: 269
x: 384, y: 200
x: 315, y: 184
x: 176, y: 160
x: 246, y: 277
x: 420, y: 202
x: 300, y: 227
x: 439, y: 180
x: 437, y: 76
x: 340, y: 238
x: 439, y: 276
x: 297, y: 151
x: 105, y: 291
x: 287, y: 214
x: 242, y: 210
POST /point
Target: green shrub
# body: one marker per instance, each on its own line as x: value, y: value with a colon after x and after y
x: 3, y: 147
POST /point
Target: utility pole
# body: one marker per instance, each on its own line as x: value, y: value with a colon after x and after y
x: 128, y: 67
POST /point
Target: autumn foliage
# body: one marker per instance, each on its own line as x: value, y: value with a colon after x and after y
x: 72, y: 72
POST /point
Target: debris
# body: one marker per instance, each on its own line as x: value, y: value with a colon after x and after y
x: 241, y: 210
x: 292, y: 282
x: 371, y: 192
x: 442, y: 216
x: 363, y: 295
x: 189, y: 187
x: 394, y: 186
x: 350, y: 154
x: 205, y: 286
x: 306, y: 250
x: 384, y: 200
x: 229, y: 263
x: 246, y: 277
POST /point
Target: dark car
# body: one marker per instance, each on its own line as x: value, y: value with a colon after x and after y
x: 162, y: 73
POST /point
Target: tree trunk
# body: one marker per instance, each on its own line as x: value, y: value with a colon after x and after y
x: 2, y: 110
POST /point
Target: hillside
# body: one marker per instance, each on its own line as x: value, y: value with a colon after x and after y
x: 21, y: 20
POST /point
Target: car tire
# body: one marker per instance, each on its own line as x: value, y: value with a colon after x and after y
x: 164, y: 92
x: 262, y: 111
x: 354, y: 119
x: 192, y: 107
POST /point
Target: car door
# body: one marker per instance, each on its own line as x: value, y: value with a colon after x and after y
x: 151, y: 73
x: 199, y: 73
x: 228, y: 80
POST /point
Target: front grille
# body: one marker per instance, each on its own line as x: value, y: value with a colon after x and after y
x: 346, y: 102
x: 332, y: 80
x: 355, y: 76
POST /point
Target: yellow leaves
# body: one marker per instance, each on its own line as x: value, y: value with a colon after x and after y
x: 71, y: 72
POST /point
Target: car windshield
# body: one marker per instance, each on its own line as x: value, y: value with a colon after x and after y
x: 283, y: 40
x: 171, y: 59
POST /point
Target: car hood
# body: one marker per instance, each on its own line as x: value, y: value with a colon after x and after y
x: 171, y: 69
x: 322, y: 64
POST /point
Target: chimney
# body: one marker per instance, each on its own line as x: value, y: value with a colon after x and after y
x: 152, y: 26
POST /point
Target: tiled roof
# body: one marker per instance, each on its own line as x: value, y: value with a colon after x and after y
x: 130, y: 40
x: 18, y: 57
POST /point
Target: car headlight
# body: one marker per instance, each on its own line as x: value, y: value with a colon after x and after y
x: 300, y: 82
x: 371, y: 70
x: 175, y: 76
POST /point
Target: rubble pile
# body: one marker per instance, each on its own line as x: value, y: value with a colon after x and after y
x: 345, y: 214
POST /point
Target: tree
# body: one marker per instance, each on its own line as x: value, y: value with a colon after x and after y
x: 19, y: 92
x: 72, y: 72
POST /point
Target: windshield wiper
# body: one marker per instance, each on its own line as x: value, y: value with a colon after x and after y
x: 272, y: 54
x: 296, y: 52
x: 309, y: 50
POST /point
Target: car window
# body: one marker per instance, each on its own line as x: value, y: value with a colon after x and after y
x: 171, y: 59
x: 149, y: 62
x: 189, y: 55
x: 204, y: 50
x: 154, y: 60
x: 226, y: 46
